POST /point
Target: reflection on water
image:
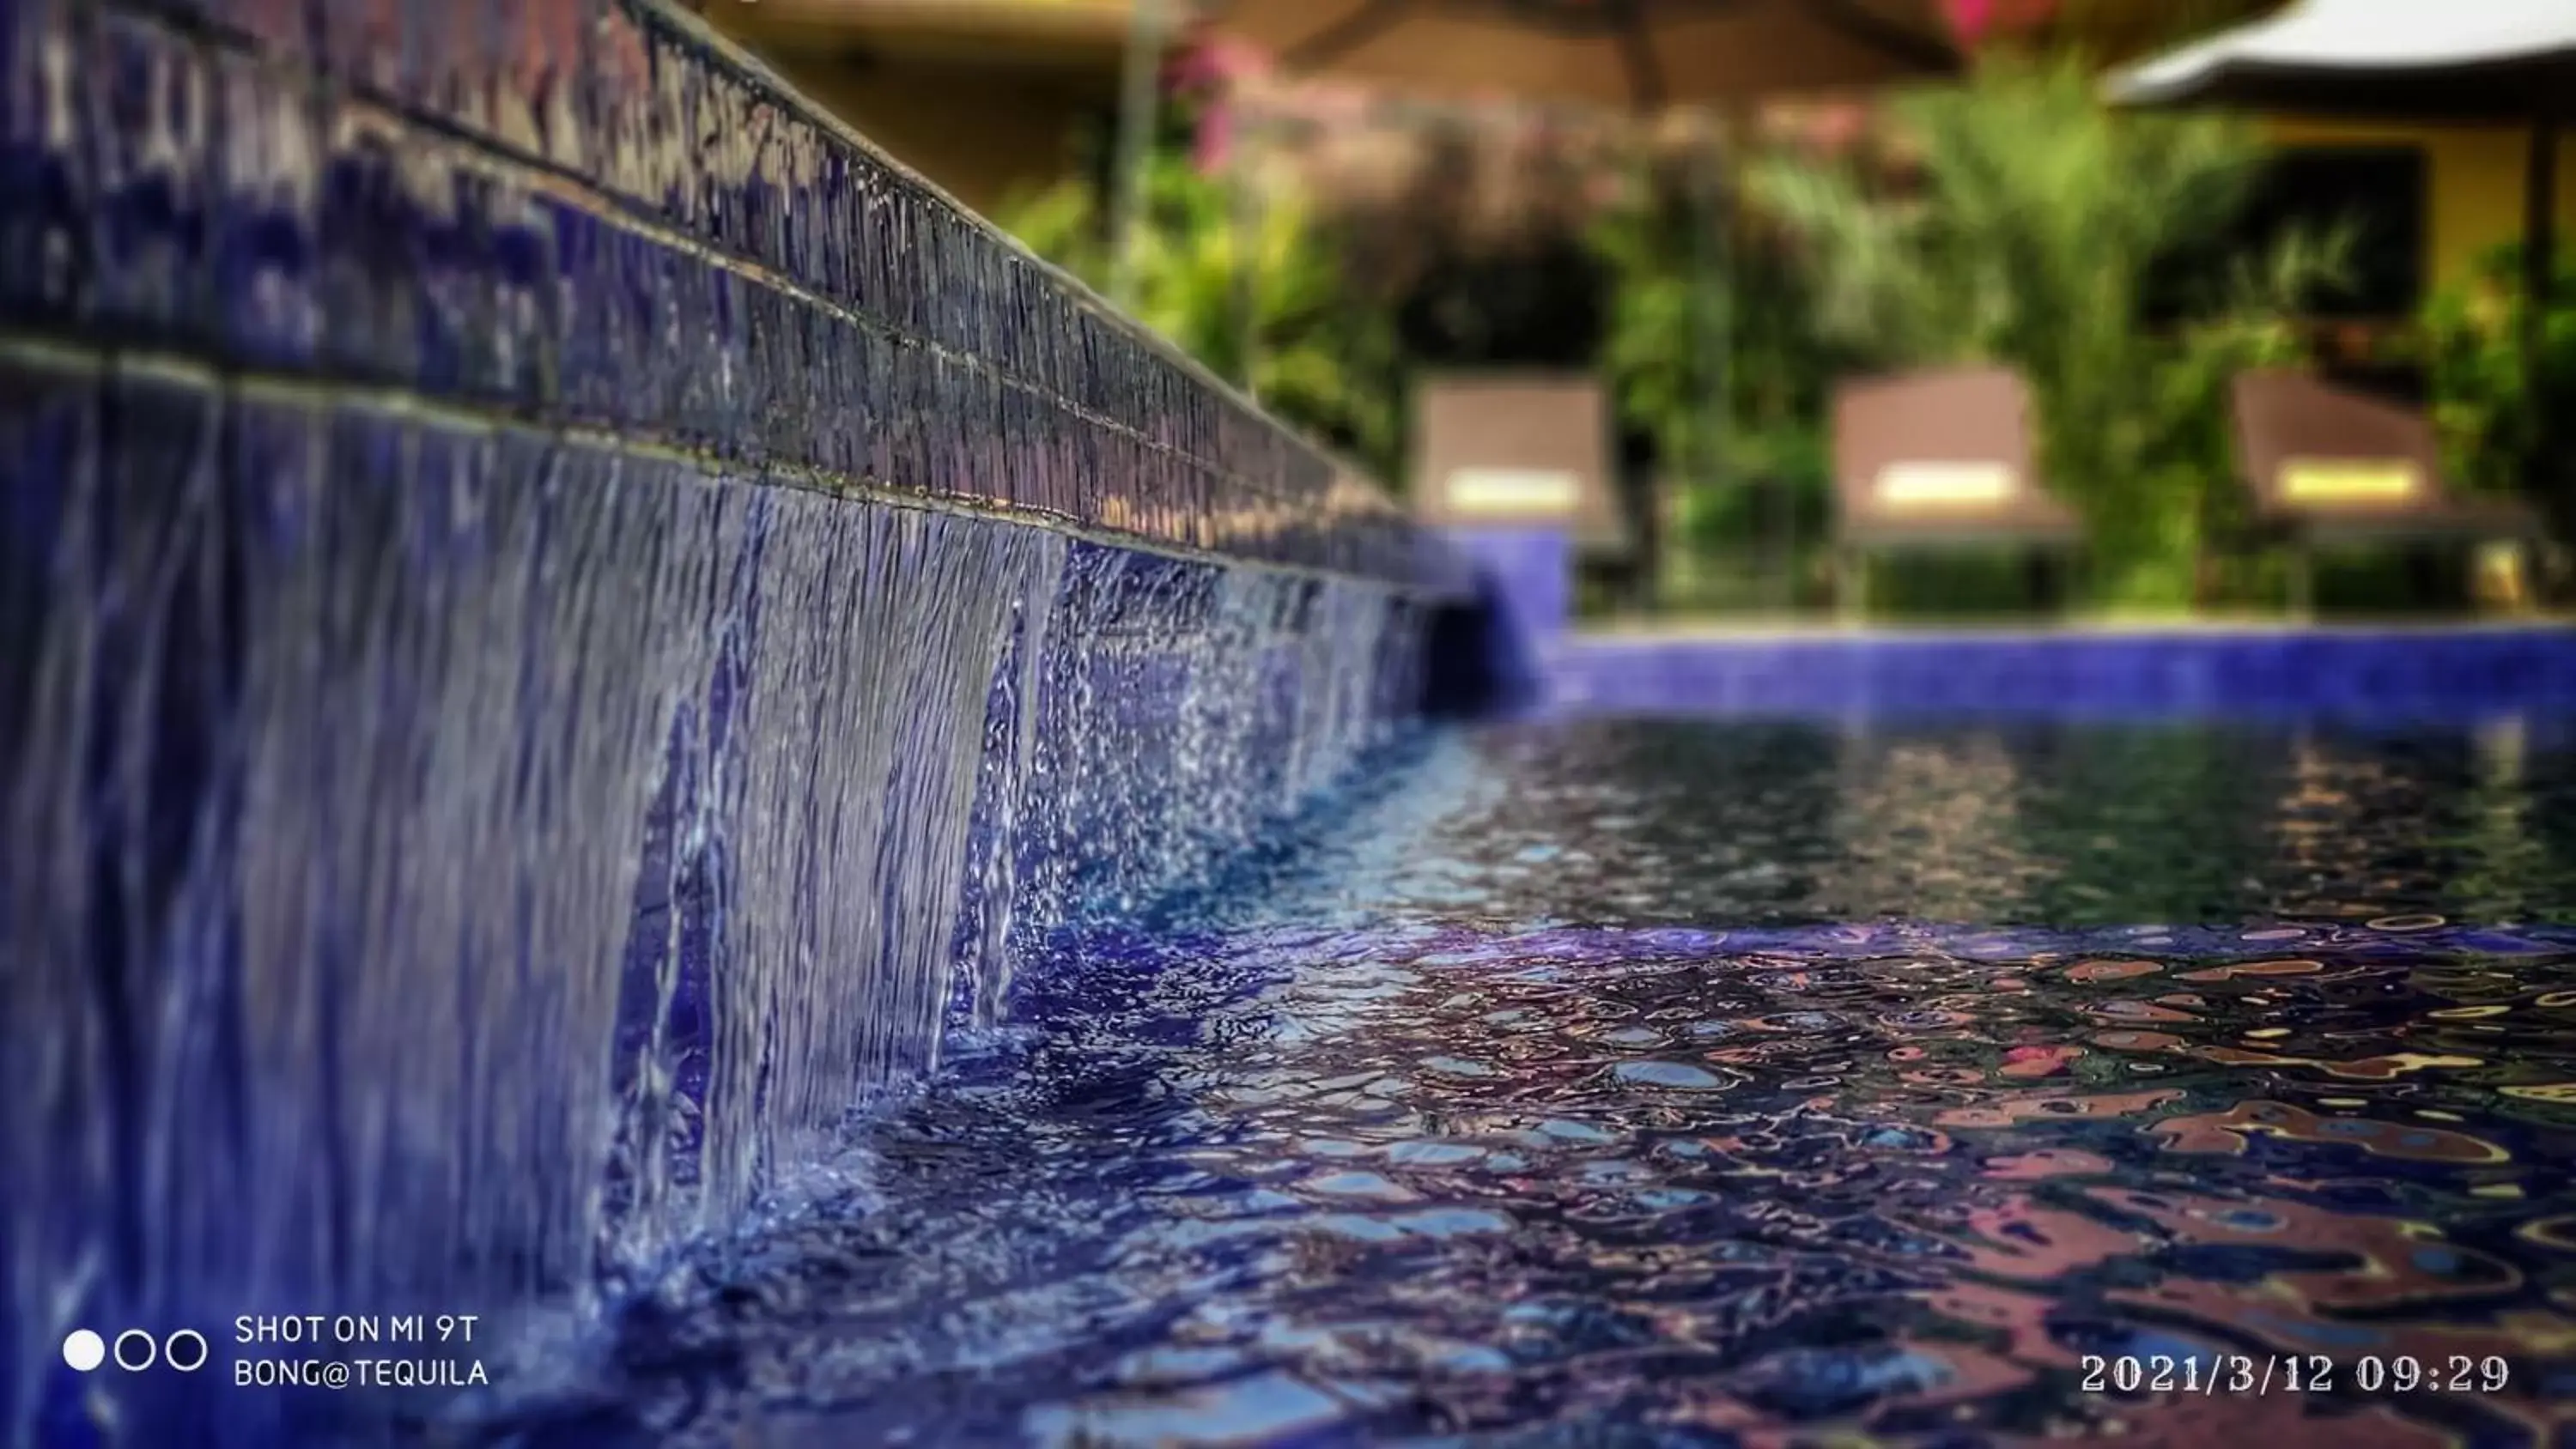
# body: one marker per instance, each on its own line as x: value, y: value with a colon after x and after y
x: 2070, y: 827
x: 1543, y: 1100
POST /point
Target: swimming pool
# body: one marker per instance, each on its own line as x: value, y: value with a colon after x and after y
x: 1649, y: 1081
x: 568, y: 624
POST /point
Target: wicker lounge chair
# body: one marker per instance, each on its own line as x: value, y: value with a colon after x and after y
x: 1498, y: 449
x: 1939, y: 461
x: 2328, y: 464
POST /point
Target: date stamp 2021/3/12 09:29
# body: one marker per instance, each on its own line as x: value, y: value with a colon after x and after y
x: 2244, y: 1373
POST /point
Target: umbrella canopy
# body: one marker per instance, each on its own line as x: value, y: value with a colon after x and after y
x: 1630, y: 54
x: 2463, y: 60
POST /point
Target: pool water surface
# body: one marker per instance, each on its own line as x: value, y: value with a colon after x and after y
x: 1630, y: 1082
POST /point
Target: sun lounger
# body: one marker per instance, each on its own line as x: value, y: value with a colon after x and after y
x: 2328, y: 464
x: 1939, y: 461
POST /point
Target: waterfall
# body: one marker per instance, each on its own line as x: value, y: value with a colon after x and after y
x: 451, y: 863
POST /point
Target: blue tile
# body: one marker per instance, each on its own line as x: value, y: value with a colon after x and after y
x: 2469, y: 672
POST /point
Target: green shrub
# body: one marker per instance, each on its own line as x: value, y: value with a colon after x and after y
x: 1662, y: 342
x: 2471, y: 343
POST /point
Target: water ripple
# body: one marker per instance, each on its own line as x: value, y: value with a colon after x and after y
x: 1550, y: 1172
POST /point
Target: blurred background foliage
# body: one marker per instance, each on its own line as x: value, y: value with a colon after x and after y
x: 1753, y: 493
x: 2468, y: 343
x: 2010, y: 219
x: 1246, y: 276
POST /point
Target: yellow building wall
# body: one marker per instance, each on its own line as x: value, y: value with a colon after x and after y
x: 2474, y: 174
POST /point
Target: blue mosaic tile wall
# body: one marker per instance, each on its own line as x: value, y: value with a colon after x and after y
x: 2381, y: 675
x: 2281, y: 672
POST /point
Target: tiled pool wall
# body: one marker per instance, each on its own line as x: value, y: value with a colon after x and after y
x: 2380, y: 676
x: 2287, y: 672
x: 561, y: 620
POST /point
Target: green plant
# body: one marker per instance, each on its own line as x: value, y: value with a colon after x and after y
x: 2027, y: 235
x: 2471, y: 342
x: 1667, y: 337
x: 2253, y: 323
x: 1249, y: 286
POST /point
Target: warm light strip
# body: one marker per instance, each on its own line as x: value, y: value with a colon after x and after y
x: 1512, y: 490
x: 2349, y: 480
x: 1944, y: 485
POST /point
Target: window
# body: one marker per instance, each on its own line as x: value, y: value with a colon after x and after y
x: 2378, y: 191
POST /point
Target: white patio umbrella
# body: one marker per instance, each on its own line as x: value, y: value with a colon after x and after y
x: 2458, y: 59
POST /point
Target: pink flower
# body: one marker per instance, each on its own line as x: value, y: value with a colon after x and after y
x: 1976, y: 21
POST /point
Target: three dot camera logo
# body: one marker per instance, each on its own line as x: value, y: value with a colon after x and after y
x: 135, y: 1350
